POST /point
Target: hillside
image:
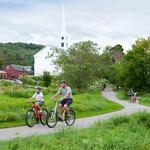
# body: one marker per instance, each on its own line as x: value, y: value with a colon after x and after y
x: 18, y: 53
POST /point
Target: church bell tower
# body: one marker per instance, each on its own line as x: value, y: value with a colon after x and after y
x: 64, y: 38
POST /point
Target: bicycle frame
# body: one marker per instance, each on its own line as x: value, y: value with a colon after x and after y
x: 35, y: 109
x: 55, y: 110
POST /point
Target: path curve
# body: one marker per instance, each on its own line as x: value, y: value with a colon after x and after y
x: 10, y: 133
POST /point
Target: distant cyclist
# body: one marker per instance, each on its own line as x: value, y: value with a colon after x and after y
x: 66, y: 97
x: 130, y: 94
x: 38, y: 96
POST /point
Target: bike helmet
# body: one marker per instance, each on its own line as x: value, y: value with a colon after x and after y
x: 38, y: 88
x: 63, y: 81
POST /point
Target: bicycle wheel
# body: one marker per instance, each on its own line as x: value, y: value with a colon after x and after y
x: 30, y: 118
x: 43, y: 116
x: 51, y: 119
x: 70, y: 120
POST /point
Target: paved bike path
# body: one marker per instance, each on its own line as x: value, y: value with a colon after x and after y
x: 24, y: 131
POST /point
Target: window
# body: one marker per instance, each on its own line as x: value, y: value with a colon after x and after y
x: 62, y: 38
x: 62, y: 44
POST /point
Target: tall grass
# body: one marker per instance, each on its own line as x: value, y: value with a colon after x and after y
x: 121, y: 133
x: 13, y: 106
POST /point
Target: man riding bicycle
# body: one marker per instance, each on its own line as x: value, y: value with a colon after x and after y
x: 66, y: 93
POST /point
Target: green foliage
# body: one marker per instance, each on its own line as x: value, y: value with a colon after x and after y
x: 47, y: 79
x: 5, y: 83
x: 120, y: 133
x: 82, y: 64
x: 13, y: 105
x: 18, y: 53
x: 115, y: 52
x: 27, y: 80
x: 133, y: 71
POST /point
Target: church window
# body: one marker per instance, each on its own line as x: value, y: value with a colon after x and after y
x: 62, y: 38
x: 62, y: 44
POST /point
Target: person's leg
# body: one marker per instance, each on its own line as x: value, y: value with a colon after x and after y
x: 59, y: 108
x: 66, y: 106
x: 38, y: 110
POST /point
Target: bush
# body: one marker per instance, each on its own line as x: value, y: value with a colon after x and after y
x: 47, y: 79
x: 5, y: 83
x: 25, y: 93
x: 27, y: 80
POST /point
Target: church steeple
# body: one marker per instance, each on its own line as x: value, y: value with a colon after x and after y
x: 64, y: 38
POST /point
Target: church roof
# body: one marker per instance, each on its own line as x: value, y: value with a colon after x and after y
x: 44, y: 49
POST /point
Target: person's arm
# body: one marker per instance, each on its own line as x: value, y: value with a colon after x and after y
x: 56, y: 95
x: 32, y: 98
x: 66, y: 95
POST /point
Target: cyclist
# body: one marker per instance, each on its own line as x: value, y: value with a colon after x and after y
x: 38, y: 96
x: 66, y: 93
x: 130, y: 94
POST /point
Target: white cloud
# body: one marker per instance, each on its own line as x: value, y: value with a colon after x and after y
x: 106, y: 22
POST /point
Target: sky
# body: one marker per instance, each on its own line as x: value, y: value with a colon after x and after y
x: 106, y: 22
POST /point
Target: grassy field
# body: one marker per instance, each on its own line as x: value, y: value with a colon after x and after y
x: 13, y: 109
x: 144, y: 97
x: 121, y: 133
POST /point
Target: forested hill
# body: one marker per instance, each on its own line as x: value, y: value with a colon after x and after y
x: 18, y: 53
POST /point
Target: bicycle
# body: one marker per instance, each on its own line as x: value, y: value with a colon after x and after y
x: 134, y: 98
x: 52, y: 117
x: 33, y: 115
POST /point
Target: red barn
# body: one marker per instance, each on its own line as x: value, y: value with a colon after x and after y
x: 3, y: 74
x: 15, y: 71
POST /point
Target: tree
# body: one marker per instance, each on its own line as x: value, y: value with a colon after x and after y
x: 18, y: 53
x: 47, y: 79
x: 134, y: 70
x: 80, y: 64
x: 116, y: 52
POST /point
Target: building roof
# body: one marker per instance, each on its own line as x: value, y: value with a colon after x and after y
x: 45, y: 48
x: 2, y: 72
x: 22, y: 68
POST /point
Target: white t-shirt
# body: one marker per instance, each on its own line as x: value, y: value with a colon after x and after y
x: 38, y: 96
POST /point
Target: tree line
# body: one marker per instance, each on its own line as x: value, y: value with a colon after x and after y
x: 83, y: 66
x: 18, y: 53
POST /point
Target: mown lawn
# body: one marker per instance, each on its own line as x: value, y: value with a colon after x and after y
x: 121, y: 133
x: 12, y: 109
x: 144, y: 97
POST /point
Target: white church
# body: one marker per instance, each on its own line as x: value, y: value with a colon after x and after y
x: 44, y: 59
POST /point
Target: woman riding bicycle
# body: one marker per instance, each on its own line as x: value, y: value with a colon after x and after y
x: 38, y: 96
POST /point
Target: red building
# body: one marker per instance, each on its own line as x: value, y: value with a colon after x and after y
x: 3, y: 74
x: 15, y: 71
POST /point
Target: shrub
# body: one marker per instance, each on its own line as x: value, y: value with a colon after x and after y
x: 47, y: 79
x: 27, y: 80
x: 5, y: 83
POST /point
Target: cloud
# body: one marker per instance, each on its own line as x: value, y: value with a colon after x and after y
x: 106, y: 22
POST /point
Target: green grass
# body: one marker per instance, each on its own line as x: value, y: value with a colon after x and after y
x: 121, y: 133
x: 144, y: 97
x: 13, y: 109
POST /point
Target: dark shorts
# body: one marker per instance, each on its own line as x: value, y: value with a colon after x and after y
x: 67, y: 101
x: 41, y: 103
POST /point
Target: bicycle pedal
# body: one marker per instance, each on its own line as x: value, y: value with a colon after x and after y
x: 60, y: 119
